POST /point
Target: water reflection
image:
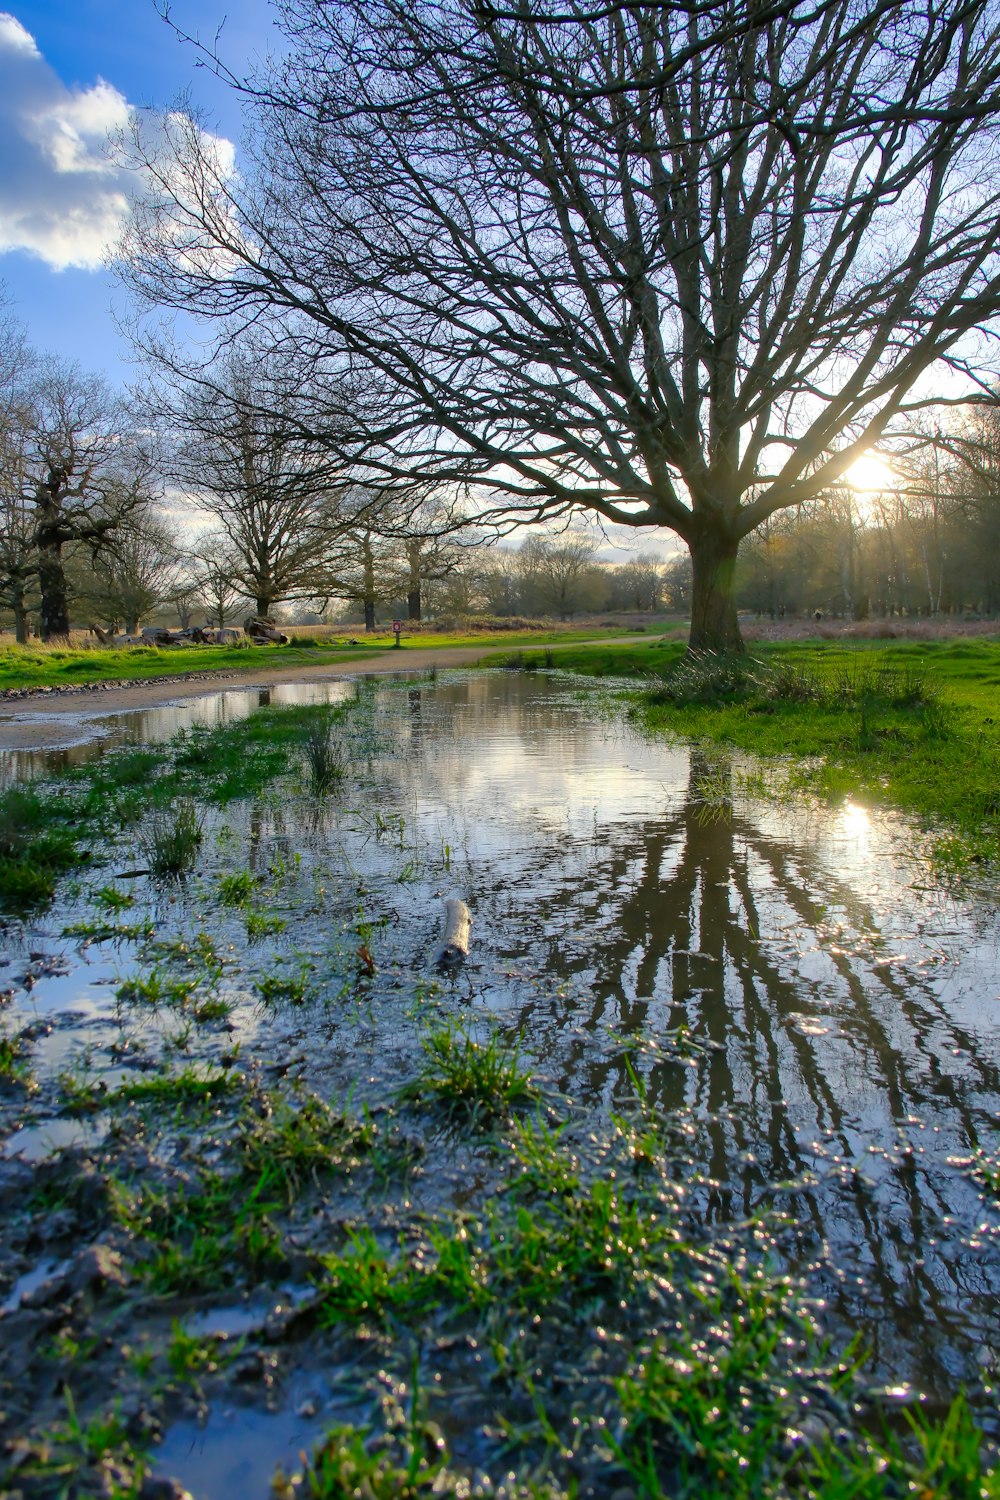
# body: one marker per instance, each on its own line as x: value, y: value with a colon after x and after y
x: 771, y: 968
x: 93, y: 731
x: 826, y: 1023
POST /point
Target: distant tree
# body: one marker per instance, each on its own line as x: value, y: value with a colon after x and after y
x: 637, y: 583
x: 87, y: 472
x: 213, y: 578
x: 500, y: 582
x: 234, y: 444
x: 559, y: 575
x: 139, y: 568
x: 677, y: 584
x: 972, y: 527
x: 362, y: 573
x: 18, y: 570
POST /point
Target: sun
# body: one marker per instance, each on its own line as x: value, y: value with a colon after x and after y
x: 870, y: 474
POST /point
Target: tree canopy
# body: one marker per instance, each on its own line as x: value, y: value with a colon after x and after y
x: 676, y: 265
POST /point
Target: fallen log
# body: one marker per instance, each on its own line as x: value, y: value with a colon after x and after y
x: 457, y: 933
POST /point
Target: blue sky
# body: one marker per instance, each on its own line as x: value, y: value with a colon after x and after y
x: 69, y: 72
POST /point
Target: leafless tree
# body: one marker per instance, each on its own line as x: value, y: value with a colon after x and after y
x: 637, y: 583
x: 139, y: 568
x: 559, y: 575
x: 235, y: 443
x: 213, y: 571
x: 87, y: 469
x: 17, y: 560
x: 677, y: 265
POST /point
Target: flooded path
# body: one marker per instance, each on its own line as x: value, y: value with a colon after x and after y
x: 781, y: 978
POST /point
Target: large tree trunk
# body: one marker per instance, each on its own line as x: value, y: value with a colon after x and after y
x: 132, y: 624
x: 413, y: 557
x: 369, y: 614
x: 54, y: 612
x: 20, y: 620
x: 714, y: 624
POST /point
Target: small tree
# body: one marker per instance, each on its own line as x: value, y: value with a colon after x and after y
x: 213, y: 573
x: 138, y: 569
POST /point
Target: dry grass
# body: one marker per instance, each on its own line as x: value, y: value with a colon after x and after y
x: 807, y: 629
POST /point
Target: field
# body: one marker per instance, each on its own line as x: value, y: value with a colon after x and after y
x: 35, y: 665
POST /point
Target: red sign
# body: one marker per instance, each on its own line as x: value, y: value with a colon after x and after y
x: 397, y: 626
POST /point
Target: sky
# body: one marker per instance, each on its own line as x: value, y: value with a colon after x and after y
x: 70, y: 72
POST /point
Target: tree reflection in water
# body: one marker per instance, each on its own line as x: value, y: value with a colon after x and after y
x: 756, y: 984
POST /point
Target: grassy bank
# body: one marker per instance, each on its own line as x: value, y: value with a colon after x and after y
x: 915, y: 724
x: 59, y: 666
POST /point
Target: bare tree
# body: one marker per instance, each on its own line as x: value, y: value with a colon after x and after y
x: 139, y: 568
x: 559, y: 575
x: 17, y: 558
x: 363, y: 571
x: 637, y: 583
x: 678, y: 265
x: 213, y: 571
x: 87, y: 471
x: 235, y: 443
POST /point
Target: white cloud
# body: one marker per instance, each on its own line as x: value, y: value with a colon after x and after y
x: 14, y: 38
x: 62, y: 197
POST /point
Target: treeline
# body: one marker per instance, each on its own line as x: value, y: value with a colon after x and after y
x: 929, y: 547
x: 209, y: 498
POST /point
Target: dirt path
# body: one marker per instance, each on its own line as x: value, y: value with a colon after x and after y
x: 50, y: 720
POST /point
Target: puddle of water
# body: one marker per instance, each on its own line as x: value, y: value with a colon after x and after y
x: 85, y: 733
x: 29, y: 1281
x: 235, y: 1451
x: 36, y: 1143
x: 233, y: 1322
x: 779, y: 972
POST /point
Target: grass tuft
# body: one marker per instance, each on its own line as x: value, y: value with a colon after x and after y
x: 481, y: 1079
x: 172, y: 839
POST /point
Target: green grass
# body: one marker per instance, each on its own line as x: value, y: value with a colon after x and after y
x: 692, y: 1371
x: 279, y: 989
x: 172, y: 838
x: 76, y: 1458
x: 323, y: 752
x: 44, y: 666
x: 13, y: 1059
x: 237, y: 889
x: 36, y: 847
x: 298, y: 1140
x: 478, y: 1079
x: 183, y: 1091
x: 194, y: 1237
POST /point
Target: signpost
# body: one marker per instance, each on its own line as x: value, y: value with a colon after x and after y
x: 397, y: 626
